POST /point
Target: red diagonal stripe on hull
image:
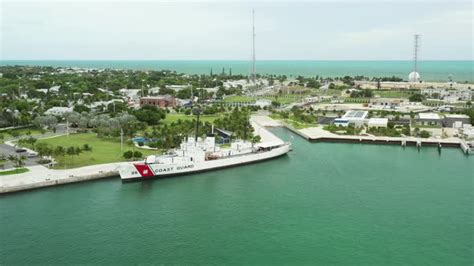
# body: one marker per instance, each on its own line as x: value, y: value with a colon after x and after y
x: 144, y: 170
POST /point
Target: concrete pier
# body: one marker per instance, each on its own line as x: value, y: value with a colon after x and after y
x: 39, y: 176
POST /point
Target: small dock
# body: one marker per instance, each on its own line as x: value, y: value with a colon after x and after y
x: 318, y: 134
x: 467, y: 148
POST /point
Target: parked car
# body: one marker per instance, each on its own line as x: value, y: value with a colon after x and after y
x: 20, y: 150
x: 32, y: 154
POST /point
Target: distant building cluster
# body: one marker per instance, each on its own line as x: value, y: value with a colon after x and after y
x: 449, y: 95
x: 159, y: 101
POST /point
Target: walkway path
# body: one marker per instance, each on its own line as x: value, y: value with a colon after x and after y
x: 40, y: 176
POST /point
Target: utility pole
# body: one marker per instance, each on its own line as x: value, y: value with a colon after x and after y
x: 121, y: 139
x: 253, y: 47
x: 67, y: 127
x: 415, y: 53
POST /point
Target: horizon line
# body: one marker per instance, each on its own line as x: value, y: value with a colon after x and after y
x: 409, y: 60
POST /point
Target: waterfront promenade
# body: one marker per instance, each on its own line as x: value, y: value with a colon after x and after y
x: 39, y: 176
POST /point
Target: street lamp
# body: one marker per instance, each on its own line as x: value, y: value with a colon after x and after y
x: 121, y: 139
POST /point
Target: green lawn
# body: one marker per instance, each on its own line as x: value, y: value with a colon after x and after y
x: 22, y: 132
x: 294, y: 123
x: 14, y: 171
x: 175, y: 117
x: 283, y: 99
x: 236, y: 98
x: 103, y: 150
x: 392, y: 94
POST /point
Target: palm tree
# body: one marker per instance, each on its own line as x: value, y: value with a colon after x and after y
x: 12, y: 158
x: 20, y: 162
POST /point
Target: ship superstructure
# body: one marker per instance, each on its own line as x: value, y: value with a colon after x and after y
x: 197, y: 155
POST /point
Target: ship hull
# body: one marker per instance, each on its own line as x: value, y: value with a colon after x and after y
x: 140, y: 172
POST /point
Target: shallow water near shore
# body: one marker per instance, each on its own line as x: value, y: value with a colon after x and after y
x: 435, y: 70
x: 330, y: 203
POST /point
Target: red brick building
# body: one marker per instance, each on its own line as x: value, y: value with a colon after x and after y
x: 159, y: 101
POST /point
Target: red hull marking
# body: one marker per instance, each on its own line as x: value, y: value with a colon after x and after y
x: 144, y: 170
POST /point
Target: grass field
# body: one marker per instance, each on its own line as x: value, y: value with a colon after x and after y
x: 236, y: 98
x: 175, y: 117
x: 392, y: 94
x: 292, y: 122
x: 283, y: 99
x: 22, y: 133
x: 14, y: 171
x: 103, y: 150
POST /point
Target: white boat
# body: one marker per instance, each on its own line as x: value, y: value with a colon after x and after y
x: 202, y: 155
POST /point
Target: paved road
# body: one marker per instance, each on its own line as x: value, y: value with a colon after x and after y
x: 7, y: 150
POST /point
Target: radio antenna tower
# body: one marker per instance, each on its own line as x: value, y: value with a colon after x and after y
x: 254, y: 75
x: 415, y: 52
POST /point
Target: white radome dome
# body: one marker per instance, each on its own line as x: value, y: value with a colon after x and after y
x: 414, y: 77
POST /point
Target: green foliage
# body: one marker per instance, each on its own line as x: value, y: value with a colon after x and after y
x: 381, y: 131
x: 128, y: 155
x: 86, y: 147
x: 15, y: 171
x: 424, y: 134
x: 470, y: 113
x: 349, y: 130
x: 366, y: 93
x: 416, y: 98
x: 137, y: 155
x: 392, y: 78
x: 237, y: 122
x: 81, y: 108
x: 150, y: 114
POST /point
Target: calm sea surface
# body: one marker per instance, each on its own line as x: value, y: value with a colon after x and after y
x: 325, y: 203
x: 460, y: 71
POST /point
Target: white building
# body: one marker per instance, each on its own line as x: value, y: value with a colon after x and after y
x: 58, y: 111
x: 428, y: 119
x: 352, y: 117
x: 263, y: 103
x: 54, y: 89
x: 377, y: 122
x: 154, y: 90
x: 176, y: 87
x: 467, y: 131
x: 235, y: 83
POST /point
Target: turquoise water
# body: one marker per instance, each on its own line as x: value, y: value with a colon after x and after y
x: 324, y: 203
x: 430, y: 70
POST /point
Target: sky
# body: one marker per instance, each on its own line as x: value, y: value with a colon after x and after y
x: 222, y: 30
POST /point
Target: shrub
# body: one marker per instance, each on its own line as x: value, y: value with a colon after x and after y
x: 424, y: 134
x: 86, y: 147
x: 128, y: 154
x: 153, y: 144
x: 137, y: 154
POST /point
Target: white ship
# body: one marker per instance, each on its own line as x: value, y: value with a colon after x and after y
x: 202, y: 155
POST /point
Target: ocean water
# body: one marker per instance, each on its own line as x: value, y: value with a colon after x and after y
x: 324, y: 203
x: 460, y: 71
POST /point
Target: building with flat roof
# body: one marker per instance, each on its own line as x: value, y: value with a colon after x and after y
x: 159, y: 101
x: 352, y: 117
x: 428, y: 119
x: 377, y: 122
x: 456, y: 120
x: 58, y: 111
x: 386, y: 103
